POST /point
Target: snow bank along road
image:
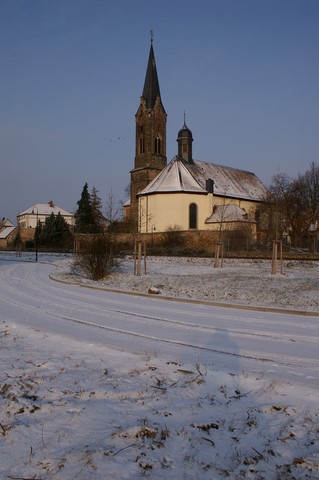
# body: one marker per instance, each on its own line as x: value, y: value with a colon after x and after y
x: 284, y: 346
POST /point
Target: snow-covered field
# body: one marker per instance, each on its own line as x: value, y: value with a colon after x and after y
x: 81, y: 410
x: 237, y: 282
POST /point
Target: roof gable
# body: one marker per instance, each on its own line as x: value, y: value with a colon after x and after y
x: 175, y: 177
x: 228, y: 213
x: 5, y: 222
x: 46, y: 209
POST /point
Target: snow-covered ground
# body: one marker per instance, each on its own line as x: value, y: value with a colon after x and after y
x: 239, y: 282
x: 81, y: 409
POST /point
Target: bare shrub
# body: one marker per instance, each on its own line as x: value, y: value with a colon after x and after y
x: 239, y: 239
x: 173, y: 236
x: 95, y: 256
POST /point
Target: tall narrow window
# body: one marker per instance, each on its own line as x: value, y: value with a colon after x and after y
x: 193, y: 215
x: 157, y: 145
x: 141, y: 144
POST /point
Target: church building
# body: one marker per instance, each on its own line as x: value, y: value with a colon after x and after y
x: 185, y: 193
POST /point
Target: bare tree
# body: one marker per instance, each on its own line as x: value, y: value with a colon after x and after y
x: 127, y: 190
x: 111, y: 210
x: 307, y: 189
x: 292, y: 205
x: 279, y: 206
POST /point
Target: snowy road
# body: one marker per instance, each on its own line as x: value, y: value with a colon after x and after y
x: 283, y: 346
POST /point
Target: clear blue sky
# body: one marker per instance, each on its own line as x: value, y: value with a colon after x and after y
x: 72, y: 72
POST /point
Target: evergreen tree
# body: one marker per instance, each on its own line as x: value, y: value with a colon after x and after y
x: 55, y: 232
x: 96, y: 204
x: 63, y: 234
x: 84, y: 218
x: 38, y: 233
x: 48, y: 230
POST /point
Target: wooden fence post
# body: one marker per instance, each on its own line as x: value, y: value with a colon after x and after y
x: 216, y: 255
x: 138, y: 256
x: 275, y: 256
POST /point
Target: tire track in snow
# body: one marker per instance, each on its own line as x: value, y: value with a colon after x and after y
x: 29, y: 290
x: 273, y: 359
x: 75, y: 306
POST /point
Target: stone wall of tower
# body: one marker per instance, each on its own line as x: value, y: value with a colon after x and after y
x: 150, y: 149
x: 150, y: 125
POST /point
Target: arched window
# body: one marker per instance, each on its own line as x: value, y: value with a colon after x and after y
x: 193, y: 215
x: 141, y: 144
x: 157, y: 145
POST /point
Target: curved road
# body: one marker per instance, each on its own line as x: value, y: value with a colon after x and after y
x: 282, y: 346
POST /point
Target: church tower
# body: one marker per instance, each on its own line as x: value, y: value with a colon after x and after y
x: 150, y: 139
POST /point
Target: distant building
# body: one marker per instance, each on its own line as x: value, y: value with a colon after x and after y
x: 185, y: 193
x: 8, y: 232
x: 5, y: 222
x: 39, y: 212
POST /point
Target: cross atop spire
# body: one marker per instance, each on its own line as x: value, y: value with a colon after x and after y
x: 152, y: 35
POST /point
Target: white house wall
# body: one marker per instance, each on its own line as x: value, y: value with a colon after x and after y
x: 30, y: 220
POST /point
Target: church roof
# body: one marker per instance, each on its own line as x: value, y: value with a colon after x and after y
x: 228, y: 181
x: 180, y: 176
x: 151, y: 88
x: 175, y: 177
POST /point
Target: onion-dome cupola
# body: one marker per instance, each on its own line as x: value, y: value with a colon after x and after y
x: 185, y: 140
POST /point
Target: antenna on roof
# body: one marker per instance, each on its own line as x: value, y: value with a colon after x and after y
x: 184, y: 118
x: 152, y: 35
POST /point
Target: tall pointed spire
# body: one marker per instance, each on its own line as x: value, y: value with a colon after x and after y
x: 151, y: 88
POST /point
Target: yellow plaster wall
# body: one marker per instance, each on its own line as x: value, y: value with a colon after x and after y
x: 167, y: 210
x: 160, y: 211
